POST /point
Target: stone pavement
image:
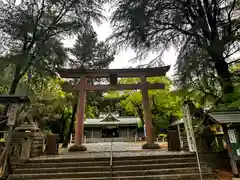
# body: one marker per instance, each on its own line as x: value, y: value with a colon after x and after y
x: 102, y: 149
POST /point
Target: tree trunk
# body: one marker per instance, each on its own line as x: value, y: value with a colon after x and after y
x: 224, y: 75
x: 63, y: 122
x: 71, y: 127
x: 63, y: 129
x: 16, y: 80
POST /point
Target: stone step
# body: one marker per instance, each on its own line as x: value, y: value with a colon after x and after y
x: 172, y: 171
x: 73, y: 168
x: 169, y: 156
x: 157, y: 166
x: 64, y: 164
x: 121, y: 161
x: 185, y: 176
x: 62, y: 169
x: 153, y: 161
x: 57, y: 160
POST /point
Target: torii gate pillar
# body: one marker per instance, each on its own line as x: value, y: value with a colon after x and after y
x: 79, y: 129
x: 147, y: 117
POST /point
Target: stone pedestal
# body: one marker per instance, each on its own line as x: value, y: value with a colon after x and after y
x: 27, y: 142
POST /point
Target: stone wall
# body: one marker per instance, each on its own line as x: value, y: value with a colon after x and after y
x: 216, y: 160
x: 37, y: 147
x: 26, y: 144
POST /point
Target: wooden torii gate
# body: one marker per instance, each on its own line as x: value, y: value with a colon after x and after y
x: 113, y: 75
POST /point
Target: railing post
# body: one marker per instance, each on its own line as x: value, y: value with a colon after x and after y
x: 190, y: 135
x: 111, y: 153
x: 6, y: 154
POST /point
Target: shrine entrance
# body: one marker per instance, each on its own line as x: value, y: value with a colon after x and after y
x: 113, y: 75
x: 110, y: 132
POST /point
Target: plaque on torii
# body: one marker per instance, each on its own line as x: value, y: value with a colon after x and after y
x: 113, y: 75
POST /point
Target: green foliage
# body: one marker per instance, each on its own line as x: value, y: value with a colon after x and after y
x: 163, y: 102
x: 230, y: 101
x: 48, y: 102
x: 162, y: 135
x: 217, y: 144
x: 31, y: 33
x: 88, y: 53
x: 205, y: 45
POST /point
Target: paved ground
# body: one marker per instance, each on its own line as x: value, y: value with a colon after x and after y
x: 119, y: 149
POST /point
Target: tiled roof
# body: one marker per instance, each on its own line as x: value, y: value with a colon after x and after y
x: 226, y: 117
x: 111, y: 120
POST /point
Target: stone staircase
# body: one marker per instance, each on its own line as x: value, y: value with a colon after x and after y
x: 159, y: 167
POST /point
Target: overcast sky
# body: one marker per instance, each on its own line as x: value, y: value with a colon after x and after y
x: 122, y: 58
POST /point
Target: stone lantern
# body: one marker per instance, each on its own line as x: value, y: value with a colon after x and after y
x: 27, y: 141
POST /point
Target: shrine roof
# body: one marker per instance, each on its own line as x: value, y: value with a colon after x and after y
x: 218, y: 117
x: 225, y: 117
x: 117, y: 121
x: 105, y: 73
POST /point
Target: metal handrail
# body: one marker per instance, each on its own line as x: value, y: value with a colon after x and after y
x: 111, y: 153
x: 4, y: 158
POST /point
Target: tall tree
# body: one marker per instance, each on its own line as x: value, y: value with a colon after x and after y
x: 89, y: 53
x: 205, y: 32
x: 31, y: 32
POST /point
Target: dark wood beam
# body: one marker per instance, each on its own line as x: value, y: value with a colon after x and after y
x: 118, y: 87
x: 105, y: 73
x: 9, y: 99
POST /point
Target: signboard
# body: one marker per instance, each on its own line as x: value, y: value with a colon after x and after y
x: 238, y: 152
x: 232, y: 136
x: 12, y: 112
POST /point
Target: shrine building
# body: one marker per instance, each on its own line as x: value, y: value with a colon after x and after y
x: 111, y: 125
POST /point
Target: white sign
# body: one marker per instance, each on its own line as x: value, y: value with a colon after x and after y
x: 232, y: 136
x: 12, y: 114
x: 238, y: 152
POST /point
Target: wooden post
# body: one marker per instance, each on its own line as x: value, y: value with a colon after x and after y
x: 180, y: 137
x: 92, y: 133
x: 147, y: 117
x: 79, y: 129
x: 230, y: 153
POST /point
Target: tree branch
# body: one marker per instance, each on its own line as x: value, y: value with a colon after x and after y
x: 34, y: 37
x: 229, y: 28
